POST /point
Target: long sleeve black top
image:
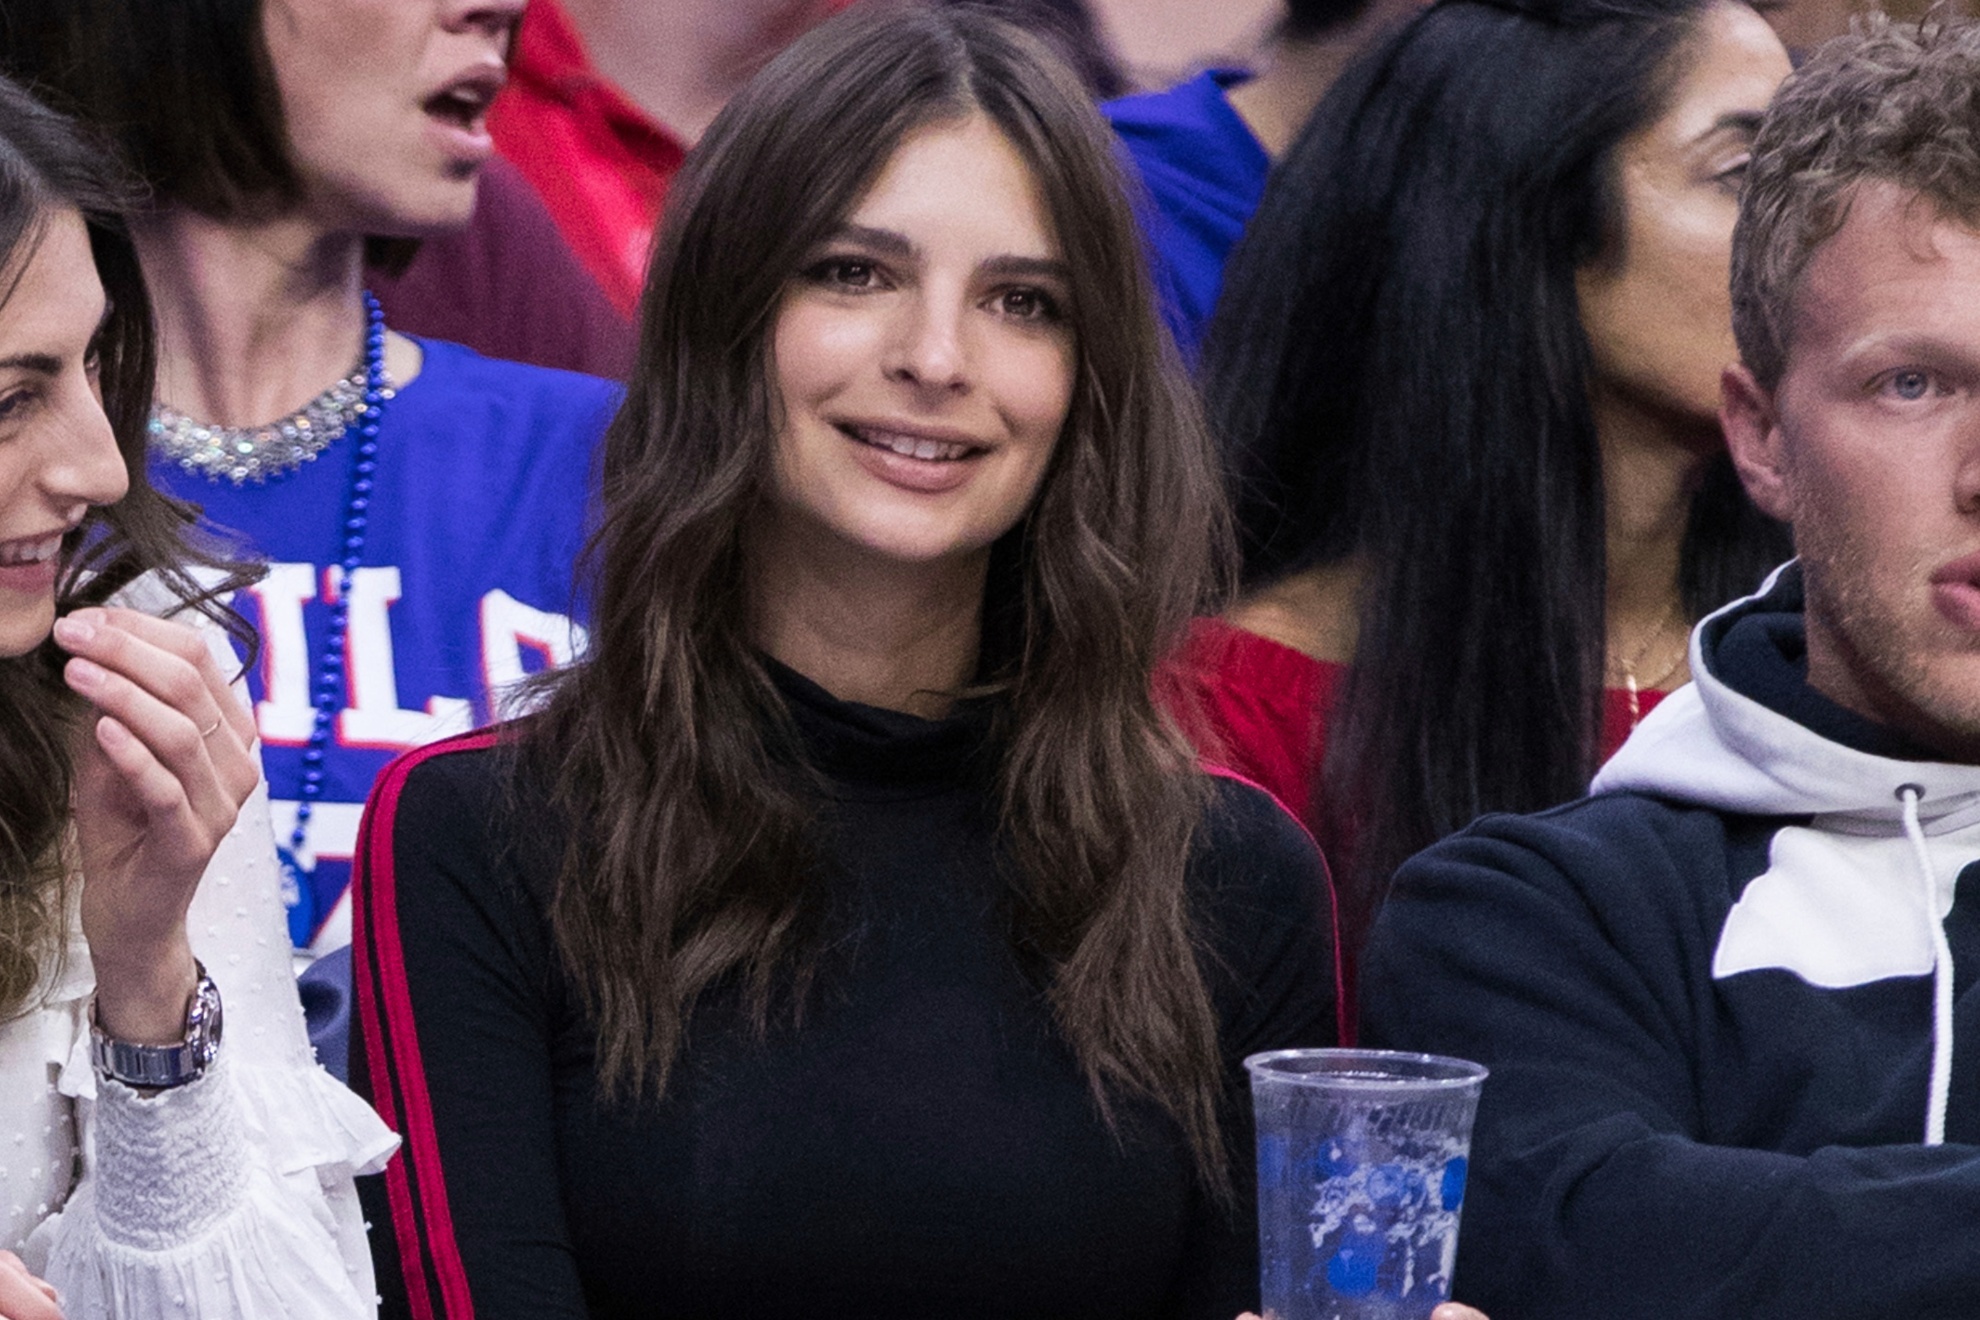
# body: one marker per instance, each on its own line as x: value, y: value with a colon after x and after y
x: 922, y: 1144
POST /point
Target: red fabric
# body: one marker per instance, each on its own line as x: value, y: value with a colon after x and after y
x: 415, y: 1185
x: 600, y: 163
x: 1262, y: 708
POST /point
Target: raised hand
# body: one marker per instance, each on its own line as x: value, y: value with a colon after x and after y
x: 160, y: 778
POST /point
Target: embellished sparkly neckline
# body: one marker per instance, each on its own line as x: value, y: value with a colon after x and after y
x: 241, y: 454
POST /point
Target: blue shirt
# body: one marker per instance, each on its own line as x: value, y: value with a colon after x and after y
x: 479, y: 509
x: 1205, y: 172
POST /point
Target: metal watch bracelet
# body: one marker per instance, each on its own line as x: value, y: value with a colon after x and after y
x: 161, y: 1067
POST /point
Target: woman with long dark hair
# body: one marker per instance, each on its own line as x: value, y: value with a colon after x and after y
x: 850, y: 933
x: 1467, y: 366
x: 155, y: 1163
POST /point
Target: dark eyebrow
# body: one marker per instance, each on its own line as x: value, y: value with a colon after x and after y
x: 889, y: 243
x: 1029, y: 268
x: 880, y: 240
x: 1739, y: 121
x: 50, y: 364
x: 41, y: 364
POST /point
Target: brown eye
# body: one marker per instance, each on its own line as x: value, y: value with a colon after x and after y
x: 1028, y: 305
x: 17, y: 403
x: 843, y: 273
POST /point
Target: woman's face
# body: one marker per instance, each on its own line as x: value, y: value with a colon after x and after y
x: 1656, y: 311
x: 57, y: 454
x: 386, y: 105
x: 925, y: 355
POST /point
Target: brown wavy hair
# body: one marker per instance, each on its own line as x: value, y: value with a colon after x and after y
x: 48, y: 165
x: 671, y: 746
x: 1897, y: 102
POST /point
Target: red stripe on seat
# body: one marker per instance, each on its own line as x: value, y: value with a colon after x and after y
x: 392, y: 1053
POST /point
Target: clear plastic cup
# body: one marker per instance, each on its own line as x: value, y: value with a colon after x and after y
x: 1362, y: 1157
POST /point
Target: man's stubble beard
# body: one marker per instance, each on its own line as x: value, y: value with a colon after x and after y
x: 1897, y: 660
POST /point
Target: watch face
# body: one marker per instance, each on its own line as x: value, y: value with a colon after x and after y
x: 158, y: 1067
x: 203, y: 1021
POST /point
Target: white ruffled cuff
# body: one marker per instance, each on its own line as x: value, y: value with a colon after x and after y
x: 169, y: 1165
x: 273, y: 1256
x: 228, y: 1197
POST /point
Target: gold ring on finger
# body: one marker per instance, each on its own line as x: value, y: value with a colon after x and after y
x: 211, y: 729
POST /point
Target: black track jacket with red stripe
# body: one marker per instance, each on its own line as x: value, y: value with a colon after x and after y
x: 923, y: 1144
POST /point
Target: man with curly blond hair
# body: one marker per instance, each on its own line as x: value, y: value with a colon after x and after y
x: 1731, y: 1001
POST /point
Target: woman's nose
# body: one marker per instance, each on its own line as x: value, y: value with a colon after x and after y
x: 84, y: 465
x: 929, y: 350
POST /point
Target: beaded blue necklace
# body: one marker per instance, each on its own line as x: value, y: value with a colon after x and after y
x: 329, y: 678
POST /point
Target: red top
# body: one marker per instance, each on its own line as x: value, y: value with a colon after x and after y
x: 1261, y: 708
x: 600, y: 163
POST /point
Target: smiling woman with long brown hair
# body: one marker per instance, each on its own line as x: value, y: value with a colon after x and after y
x: 849, y: 933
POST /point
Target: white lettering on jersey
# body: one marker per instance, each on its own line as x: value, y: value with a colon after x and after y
x: 284, y: 712
x: 508, y: 627
x: 372, y: 716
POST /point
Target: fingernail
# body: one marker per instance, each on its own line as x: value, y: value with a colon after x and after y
x: 73, y: 630
x: 111, y: 733
x: 84, y: 675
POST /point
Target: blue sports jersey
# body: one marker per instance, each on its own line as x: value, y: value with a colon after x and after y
x: 1204, y: 172
x: 479, y: 508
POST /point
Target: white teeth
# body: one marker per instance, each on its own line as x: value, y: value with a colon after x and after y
x: 30, y: 552
x: 909, y: 446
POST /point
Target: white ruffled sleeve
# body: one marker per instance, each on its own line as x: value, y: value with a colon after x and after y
x: 230, y: 1197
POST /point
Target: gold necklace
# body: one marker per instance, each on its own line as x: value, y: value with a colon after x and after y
x: 1628, y: 665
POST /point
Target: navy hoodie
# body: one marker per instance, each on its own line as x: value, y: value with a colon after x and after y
x: 1728, y: 1003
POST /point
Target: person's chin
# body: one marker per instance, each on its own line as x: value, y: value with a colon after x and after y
x: 440, y: 207
x: 23, y: 627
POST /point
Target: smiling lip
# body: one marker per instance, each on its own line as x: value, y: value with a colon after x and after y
x: 28, y: 564
x: 1956, y: 591
x: 916, y: 458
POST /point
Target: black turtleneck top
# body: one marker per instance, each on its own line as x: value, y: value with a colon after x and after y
x: 922, y: 1145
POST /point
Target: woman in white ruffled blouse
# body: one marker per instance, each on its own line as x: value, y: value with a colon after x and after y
x: 153, y: 1161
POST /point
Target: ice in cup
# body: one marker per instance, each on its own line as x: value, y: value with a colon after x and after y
x: 1362, y: 1157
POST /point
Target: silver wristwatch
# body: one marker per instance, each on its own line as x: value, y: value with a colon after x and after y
x: 159, y: 1067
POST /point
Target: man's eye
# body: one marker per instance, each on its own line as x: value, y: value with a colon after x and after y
x: 1909, y: 385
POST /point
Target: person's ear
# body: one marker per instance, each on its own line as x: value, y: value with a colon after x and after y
x: 1752, y: 428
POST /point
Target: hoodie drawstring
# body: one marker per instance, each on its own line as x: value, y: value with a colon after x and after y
x: 1942, y: 973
